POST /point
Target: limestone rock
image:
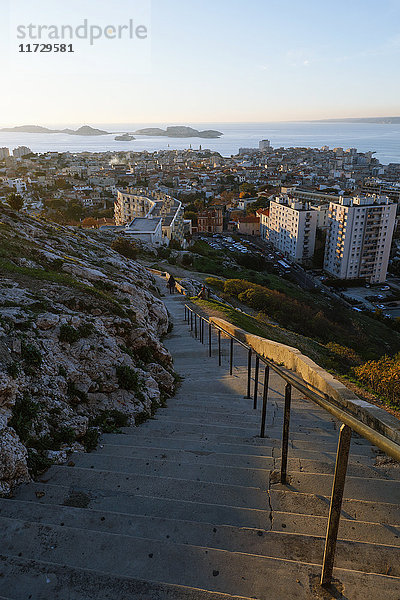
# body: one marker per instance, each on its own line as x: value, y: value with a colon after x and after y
x: 13, y: 461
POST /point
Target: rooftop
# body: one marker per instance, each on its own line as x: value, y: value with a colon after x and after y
x: 142, y: 225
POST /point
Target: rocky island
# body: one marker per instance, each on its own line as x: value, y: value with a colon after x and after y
x: 85, y: 130
x: 80, y: 349
x: 179, y: 132
x: 124, y: 137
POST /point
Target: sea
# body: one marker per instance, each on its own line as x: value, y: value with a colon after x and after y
x: 383, y: 139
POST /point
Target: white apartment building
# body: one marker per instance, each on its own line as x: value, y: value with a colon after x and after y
x: 151, y: 204
x: 359, y: 238
x: 264, y: 145
x: 21, y: 151
x: 18, y: 184
x: 291, y: 228
x: 4, y: 153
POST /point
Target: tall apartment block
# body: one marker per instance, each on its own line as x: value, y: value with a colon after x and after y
x: 291, y: 227
x: 359, y: 238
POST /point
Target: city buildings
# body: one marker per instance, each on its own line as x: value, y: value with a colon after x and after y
x: 263, y: 214
x: 151, y: 204
x: 21, y: 151
x: 210, y: 220
x: 359, y: 238
x: 145, y: 230
x: 249, y: 225
x: 264, y: 145
x: 291, y: 227
x: 4, y: 153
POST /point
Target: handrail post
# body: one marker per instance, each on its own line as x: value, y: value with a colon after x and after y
x: 185, y: 313
x: 195, y: 325
x: 231, y: 358
x: 248, y: 395
x: 342, y: 458
x: 209, y: 339
x: 219, y: 347
x: 265, y: 397
x: 191, y: 320
x: 201, y: 326
x: 285, y: 433
x: 256, y: 381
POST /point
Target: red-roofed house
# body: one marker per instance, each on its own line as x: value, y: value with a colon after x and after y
x: 249, y: 225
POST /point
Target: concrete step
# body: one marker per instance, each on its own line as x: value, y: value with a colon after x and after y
x: 358, y: 488
x: 299, y: 424
x: 204, y: 457
x: 243, y: 476
x: 40, y: 580
x: 136, y: 504
x: 95, y: 481
x: 286, y: 501
x: 174, y: 563
x: 207, y: 449
x: 252, y: 448
x: 276, y: 544
x: 356, y: 530
x: 163, y: 435
x: 221, y: 412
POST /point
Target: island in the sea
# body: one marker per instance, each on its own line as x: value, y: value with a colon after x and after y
x: 124, y: 137
x: 85, y: 130
x: 178, y: 131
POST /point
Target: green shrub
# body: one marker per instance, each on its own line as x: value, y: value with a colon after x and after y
x: 110, y: 421
x: 187, y: 260
x: 146, y: 354
x: 62, y: 371
x: 163, y: 252
x: 125, y: 248
x: 13, y: 370
x: 37, y: 463
x: 24, y: 411
x: 215, y: 283
x: 175, y: 245
x: 75, y: 394
x: 70, y: 334
x: 91, y: 439
x: 127, y: 378
x: 31, y: 355
x: 85, y: 330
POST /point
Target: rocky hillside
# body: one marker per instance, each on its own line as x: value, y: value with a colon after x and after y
x: 80, y: 349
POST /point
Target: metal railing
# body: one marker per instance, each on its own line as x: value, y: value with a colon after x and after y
x: 350, y: 423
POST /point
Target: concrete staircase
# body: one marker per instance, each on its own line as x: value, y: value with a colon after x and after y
x: 184, y: 507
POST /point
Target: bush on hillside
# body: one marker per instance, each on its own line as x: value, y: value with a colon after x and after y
x: 125, y: 248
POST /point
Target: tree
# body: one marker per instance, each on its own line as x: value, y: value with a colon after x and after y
x: 192, y: 216
x: 125, y: 247
x: 74, y: 210
x: 89, y: 222
x: 16, y: 201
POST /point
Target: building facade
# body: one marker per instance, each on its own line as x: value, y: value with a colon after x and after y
x: 249, y: 225
x: 21, y: 151
x: 210, y: 220
x: 263, y: 214
x: 291, y: 228
x: 150, y: 204
x: 359, y: 238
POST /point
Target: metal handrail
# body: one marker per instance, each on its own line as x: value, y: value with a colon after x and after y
x: 349, y: 422
x: 377, y: 439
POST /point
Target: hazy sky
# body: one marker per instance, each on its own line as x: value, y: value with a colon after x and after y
x: 210, y: 61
